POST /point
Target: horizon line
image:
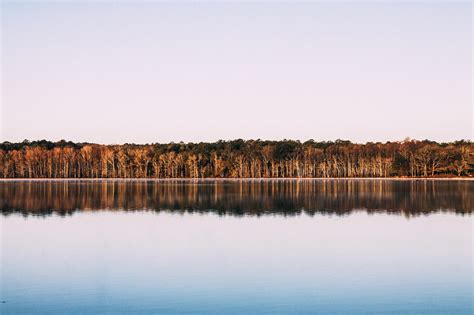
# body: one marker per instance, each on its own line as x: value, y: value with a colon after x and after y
x: 339, y: 140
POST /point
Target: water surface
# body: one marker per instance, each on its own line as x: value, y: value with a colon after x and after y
x: 236, y: 247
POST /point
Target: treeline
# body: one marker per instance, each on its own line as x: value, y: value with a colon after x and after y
x: 236, y: 159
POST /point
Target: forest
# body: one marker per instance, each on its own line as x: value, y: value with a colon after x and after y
x: 236, y: 159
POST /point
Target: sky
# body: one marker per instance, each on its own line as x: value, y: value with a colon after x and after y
x: 143, y: 72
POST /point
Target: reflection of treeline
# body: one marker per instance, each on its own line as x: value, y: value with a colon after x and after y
x: 254, y: 197
x: 235, y: 159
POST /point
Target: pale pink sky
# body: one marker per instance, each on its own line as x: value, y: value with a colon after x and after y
x: 159, y: 72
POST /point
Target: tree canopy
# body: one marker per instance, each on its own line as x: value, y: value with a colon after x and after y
x: 236, y: 159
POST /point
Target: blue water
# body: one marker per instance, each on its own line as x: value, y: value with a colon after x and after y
x: 129, y: 262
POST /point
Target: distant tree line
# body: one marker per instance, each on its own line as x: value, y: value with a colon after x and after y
x: 236, y: 159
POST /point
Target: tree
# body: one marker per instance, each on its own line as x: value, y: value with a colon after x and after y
x: 236, y: 159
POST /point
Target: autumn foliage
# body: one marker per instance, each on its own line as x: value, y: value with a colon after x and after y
x: 236, y: 159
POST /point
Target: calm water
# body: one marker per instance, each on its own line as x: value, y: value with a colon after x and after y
x: 237, y: 247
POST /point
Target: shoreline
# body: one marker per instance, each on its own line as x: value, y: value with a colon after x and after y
x: 138, y: 179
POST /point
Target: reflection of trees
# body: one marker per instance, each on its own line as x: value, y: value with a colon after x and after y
x: 252, y: 197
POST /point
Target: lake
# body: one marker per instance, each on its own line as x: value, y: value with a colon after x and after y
x: 361, y: 246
